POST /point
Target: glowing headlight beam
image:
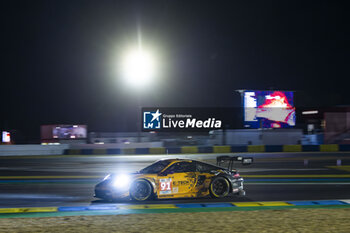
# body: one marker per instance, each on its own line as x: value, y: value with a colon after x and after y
x: 121, y: 181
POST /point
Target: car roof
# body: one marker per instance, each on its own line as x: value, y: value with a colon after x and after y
x: 191, y: 160
x: 179, y: 160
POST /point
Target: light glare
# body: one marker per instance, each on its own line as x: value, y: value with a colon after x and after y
x: 107, y: 177
x: 121, y: 181
x: 138, y: 68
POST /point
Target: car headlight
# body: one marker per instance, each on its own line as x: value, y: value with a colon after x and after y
x: 121, y: 181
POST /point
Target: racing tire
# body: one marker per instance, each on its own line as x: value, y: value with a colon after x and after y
x: 219, y: 187
x: 141, y: 190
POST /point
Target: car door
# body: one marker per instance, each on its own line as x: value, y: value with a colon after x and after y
x: 204, y: 176
x: 179, y: 179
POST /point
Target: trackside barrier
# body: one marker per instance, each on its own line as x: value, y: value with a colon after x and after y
x: 205, y: 149
x: 114, y: 151
x: 99, y: 151
x: 292, y: 148
x: 87, y: 151
x: 189, y: 149
x: 32, y: 149
x: 221, y: 149
x: 157, y: 150
x: 256, y: 148
x: 273, y: 148
x: 141, y: 151
x: 112, y: 207
x: 329, y: 148
x: 239, y: 149
x: 344, y: 147
x: 310, y: 148
x: 128, y: 151
x: 173, y: 150
x: 74, y: 151
x: 211, y: 149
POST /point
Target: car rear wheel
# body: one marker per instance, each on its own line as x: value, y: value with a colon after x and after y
x: 219, y: 187
x: 140, y: 190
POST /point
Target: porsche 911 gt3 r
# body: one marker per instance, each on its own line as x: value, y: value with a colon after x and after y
x: 174, y: 178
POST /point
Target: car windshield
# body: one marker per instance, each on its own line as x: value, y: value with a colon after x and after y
x: 155, y: 167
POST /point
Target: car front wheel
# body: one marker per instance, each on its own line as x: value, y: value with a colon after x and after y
x: 140, y: 190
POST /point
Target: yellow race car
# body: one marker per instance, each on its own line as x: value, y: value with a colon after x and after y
x: 175, y: 178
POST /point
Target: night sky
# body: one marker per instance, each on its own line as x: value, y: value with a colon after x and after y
x: 58, y: 57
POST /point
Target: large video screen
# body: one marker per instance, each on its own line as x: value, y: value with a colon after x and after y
x: 269, y: 109
x: 69, y: 131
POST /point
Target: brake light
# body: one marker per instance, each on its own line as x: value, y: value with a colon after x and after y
x: 236, y: 175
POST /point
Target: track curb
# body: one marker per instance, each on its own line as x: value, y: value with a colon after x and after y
x: 116, y: 209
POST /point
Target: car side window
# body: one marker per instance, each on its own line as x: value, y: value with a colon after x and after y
x: 181, y: 167
x: 202, y: 167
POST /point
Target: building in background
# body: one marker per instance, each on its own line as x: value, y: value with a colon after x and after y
x: 337, y: 126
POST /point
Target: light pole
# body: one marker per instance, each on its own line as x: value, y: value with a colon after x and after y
x: 138, y: 70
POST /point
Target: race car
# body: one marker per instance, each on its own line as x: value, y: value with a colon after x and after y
x: 175, y: 178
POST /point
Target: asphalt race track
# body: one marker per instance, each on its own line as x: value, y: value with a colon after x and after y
x: 70, y: 180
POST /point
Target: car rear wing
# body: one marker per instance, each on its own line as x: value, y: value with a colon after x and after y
x: 232, y: 159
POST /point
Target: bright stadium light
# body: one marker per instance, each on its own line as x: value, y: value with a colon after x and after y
x: 138, y: 68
